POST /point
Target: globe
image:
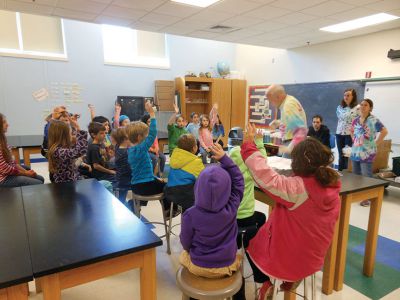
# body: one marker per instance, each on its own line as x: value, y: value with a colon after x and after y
x: 223, y: 68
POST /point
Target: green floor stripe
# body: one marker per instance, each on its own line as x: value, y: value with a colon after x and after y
x: 385, y: 279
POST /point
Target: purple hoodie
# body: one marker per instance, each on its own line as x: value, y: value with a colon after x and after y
x: 209, y: 228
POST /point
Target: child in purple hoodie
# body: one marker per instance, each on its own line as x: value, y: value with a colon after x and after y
x: 209, y: 228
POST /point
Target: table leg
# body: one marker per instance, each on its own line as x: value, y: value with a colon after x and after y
x: 27, y: 158
x: 343, y: 235
x: 372, y: 233
x: 15, y: 292
x: 289, y: 295
x: 148, y: 276
x: 51, y: 287
x: 15, y: 153
x: 38, y: 285
x: 328, y: 275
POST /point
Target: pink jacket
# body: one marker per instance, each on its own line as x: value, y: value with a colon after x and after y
x: 292, y: 244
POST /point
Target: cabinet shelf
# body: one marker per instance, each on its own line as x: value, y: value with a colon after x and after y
x: 193, y: 90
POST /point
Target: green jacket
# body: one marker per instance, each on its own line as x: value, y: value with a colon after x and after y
x: 246, y: 208
x: 174, y: 132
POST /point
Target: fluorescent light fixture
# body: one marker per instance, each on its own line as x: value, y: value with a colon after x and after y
x: 360, y: 23
x: 199, y: 3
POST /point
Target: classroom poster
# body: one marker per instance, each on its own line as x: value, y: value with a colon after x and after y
x: 260, y: 112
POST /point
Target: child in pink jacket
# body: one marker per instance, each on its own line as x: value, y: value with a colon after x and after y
x: 293, y: 243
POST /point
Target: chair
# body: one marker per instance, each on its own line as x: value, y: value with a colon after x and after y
x: 242, y: 232
x: 305, y: 296
x: 171, y: 216
x: 157, y: 197
x: 206, y: 288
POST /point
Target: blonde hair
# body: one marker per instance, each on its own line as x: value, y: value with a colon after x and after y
x: 202, y: 117
x: 119, y: 135
x: 59, y: 136
x: 136, y: 129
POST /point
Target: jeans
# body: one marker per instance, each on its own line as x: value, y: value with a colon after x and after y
x: 161, y: 158
x: 15, y: 181
x: 362, y: 168
x: 341, y: 142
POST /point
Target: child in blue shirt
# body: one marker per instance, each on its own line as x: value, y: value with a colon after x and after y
x: 142, y: 137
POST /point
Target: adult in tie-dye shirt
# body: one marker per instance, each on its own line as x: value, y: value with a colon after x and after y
x: 293, y: 122
x: 365, y: 139
x: 346, y: 112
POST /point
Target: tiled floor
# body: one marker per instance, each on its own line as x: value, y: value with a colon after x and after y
x: 126, y: 286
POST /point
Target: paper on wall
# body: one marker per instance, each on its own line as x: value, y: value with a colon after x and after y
x: 40, y: 95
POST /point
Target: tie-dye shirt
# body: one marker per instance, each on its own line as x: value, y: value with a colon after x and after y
x: 345, y: 116
x: 364, y: 146
x: 293, y: 118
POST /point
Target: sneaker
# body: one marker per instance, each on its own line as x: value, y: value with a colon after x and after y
x: 290, y: 286
x: 365, y: 203
x: 266, y: 291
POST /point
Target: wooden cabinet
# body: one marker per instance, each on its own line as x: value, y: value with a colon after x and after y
x: 200, y: 94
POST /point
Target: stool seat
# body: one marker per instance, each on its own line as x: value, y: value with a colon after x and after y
x: 207, y: 288
x: 156, y: 197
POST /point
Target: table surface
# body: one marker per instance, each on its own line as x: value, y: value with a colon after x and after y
x: 75, y: 224
x: 15, y: 263
x: 25, y: 140
x: 352, y: 183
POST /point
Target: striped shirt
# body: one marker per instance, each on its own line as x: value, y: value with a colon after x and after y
x: 7, y: 168
x: 139, y: 158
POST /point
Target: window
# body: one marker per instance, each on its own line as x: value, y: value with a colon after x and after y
x: 127, y: 47
x: 26, y: 35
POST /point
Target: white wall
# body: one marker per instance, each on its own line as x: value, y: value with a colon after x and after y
x: 332, y: 61
x: 101, y: 84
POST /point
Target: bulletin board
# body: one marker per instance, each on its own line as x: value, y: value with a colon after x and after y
x: 260, y: 111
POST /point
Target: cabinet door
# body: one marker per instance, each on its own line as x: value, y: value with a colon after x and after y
x: 221, y: 94
x: 239, y: 101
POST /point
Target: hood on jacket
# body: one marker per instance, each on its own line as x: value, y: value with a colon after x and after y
x: 315, y: 190
x: 213, y: 188
x: 187, y: 161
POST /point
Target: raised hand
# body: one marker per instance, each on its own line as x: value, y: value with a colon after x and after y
x: 149, y: 109
x: 251, y: 131
x: 259, y: 134
x: 118, y: 108
x: 176, y: 108
x: 218, y: 151
x: 73, y: 120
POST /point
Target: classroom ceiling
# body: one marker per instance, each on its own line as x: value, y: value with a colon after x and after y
x: 279, y: 24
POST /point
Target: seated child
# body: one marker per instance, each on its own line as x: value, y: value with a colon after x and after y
x: 218, y: 131
x: 65, y: 149
x: 185, y: 167
x: 96, y: 154
x: 209, y: 229
x: 142, y: 137
x: 293, y: 243
x: 247, y: 216
x: 176, y: 127
x: 120, y: 120
x: 205, y: 135
x: 123, y: 175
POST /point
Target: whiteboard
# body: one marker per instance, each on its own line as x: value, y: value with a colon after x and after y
x: 386, y: 98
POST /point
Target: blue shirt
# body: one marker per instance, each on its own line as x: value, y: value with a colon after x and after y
x: 194, y: 129
x: 139, y: 158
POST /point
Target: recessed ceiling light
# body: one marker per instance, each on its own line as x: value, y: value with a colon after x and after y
x: 199, y: 3
x: 360, y: 22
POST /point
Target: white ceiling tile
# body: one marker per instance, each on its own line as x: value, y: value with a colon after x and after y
x: 385, y: 5
x: 296, y: 18
x: 113, y: 21
x: 178, y: 10
x: 147, y: 26
x: 234, y: 6
x: 295, y: 5
x: 352, y: 14
x: 267, y: 36
x: 243, y: 33
x: 201, y: 34
x: 123, y: 12
x: 195, y: 25
x: 268, y: 26
x: 160, y: 19
x: 267, y: 12
x: 327, y: 8
x: 2, y: 4
x: 178, y: 30
x: 242, y: 22
x: 318, y: 23
x: 263, y: 1
x: 72, y: 14
x: 29, y: 7
x: 395, y: 12
x: 139, y: 4
x: 103, y: 1
x: 360, y: 2
x: 41, y: 2
x: 210, y: 16
x: 292, y: 30
x: 82, y: 5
